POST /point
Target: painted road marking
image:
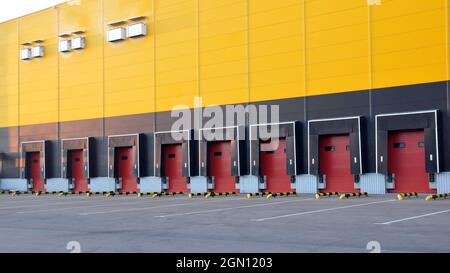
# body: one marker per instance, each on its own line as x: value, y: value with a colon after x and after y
x: 230, y: 208
x: 134, y: 209
x: 199, y: 201
x: 414, y: 217
x: 34, y: 199
x: 111, y: 201
x: 41, y: 205
x: 80, y: 207
x: 84, y: 201
x: 320, y: 210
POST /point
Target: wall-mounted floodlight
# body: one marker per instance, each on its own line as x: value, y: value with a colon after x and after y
x: 137, y: 30
x: 64, y: 45
x: 78, y: 43
x: 37, y: 52
x: 25, y: 54
x: 116, y: 35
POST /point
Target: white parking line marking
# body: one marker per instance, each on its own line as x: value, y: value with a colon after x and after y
x: 198, y: 201
x: 65, y: 202
x: 135, y: 209
x: 35, y: 199
x: 319, y: 211
x: 412, y: 218
x: 79, y: 207
x: 230, y: 208
x: 40, y: 205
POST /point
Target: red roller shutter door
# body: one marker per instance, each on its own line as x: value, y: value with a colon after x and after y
x: 173, y: 163
x: 34, y: 167
x: 76, y: 160
x: 273, y: 165
x: 124, y: 156
x: 334, y: 157
x: 407, y: 161
x: 219, y: 155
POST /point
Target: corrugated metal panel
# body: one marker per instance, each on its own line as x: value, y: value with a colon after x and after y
x: 199, y: 184
x: 373, y: 183
x: 57, y: 185
x: 150, y: 184
x: 248, y: 184
x: 443, y: 182
x: 102, y: 184
x: 306, y: 184
x: 13, y: 184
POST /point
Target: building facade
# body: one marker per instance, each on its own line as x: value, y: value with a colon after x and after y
x: 87, y: 89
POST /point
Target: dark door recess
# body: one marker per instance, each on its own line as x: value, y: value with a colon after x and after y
x: 319, y: 130
x: 33, y: 166
x: 289, y: 135
x: 334, y: 163
x: 77, y: 171
x: 173, y: 168
x: 395, y: 134
x: 188, y: 151
x: 273, y: 165
x: 219, y: 157
x: 406, y: 153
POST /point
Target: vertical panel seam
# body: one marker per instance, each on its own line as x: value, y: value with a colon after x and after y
x: 198, y: 119
x: 18, y: 100
x: 249, y: 78
x: 154, y: 65
x: 305, y: 72
x: 103, y: 69
x: 370, y: 51
x: 447, y: 54
x: 58, y: 29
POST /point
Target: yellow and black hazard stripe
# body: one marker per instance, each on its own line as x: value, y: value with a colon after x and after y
x: 15, y: 193
x: 161, y: 194
x: 437, y: 196
x: 104, y: 193
x: 279, y: 194
x: 198, y: 194
x: 142, y: 194
x: 269, y: 195
x: 404, y: 195
x: 256, y: 194
x: 350, y: 195
x: 125, y: 193
x: 216, y: 194
x: 327, y: 194
x: 77, y: 193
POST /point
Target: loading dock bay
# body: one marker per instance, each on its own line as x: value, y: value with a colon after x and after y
x: 222, y: 224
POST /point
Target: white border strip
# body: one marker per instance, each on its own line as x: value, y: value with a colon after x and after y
x: 21, y: 153
x: 168, y: 132
x: 88, y: 148
x: 269, y: 124
x: 408, y: 113
x: 218, y: 128
x: 137, y: 148
x: 335, y: 119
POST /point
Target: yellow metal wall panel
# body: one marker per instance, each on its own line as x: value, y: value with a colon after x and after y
x: 39, y: 77
x: 176, y: 42
x: 223, y: 52
x: 9, y: 74
x: 128, y: 65
x: 276, y: 45
x: 337, y: 46
x: 81, y: 71
x: 409, y: 42
x: 226, y: 51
